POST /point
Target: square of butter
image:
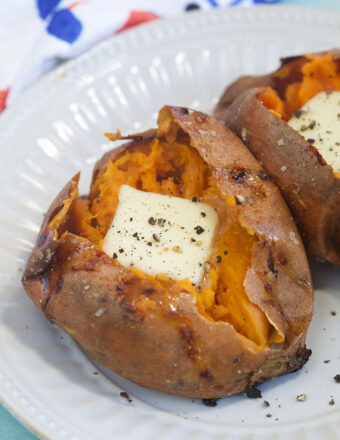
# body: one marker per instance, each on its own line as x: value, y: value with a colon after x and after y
x: 161, y: 234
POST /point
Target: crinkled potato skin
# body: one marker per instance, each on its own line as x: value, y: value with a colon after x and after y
x: 308, y: 184
x: 172, y: 347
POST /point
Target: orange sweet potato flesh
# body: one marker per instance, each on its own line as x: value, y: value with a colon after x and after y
x: 319, y: 74
x: 240, y: 326
x: 177, y: 169
x: 258, y: 107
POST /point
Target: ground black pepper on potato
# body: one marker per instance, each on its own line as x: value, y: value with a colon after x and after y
x: 244, y: 323
x: 258, y: 110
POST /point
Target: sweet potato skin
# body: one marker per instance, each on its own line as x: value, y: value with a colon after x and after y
x: 308, y: 184
x: 154, y: 335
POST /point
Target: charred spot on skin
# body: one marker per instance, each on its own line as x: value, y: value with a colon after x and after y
x: 268, y: 286
x: 192, y: 352
x: 126, y: 306
x: 148, y: 292
x: 60, y: 284
x: 238, y: 175
x: 42, y: 238
x: 205, y: 374
x: 210, y: 402
x: 297, y: 113
x: 271, y: 263
x: 48, y: 299
x: 301, y: 357
x: 180, y: 110
x: 253, y: 392
x: 187, y: 333
x: 318, y: 156
x: 44, y: 278
x: 263, y: 175
x: 189, y: 336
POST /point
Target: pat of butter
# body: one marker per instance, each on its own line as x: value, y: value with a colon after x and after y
x: 161, y: 234
x: 319, y: 122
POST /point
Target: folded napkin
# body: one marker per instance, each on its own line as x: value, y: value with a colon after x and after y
x: 36, y: 35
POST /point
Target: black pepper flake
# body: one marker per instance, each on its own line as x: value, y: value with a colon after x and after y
x: 114, y: 255
x: 337, y: 378
x: 194, y: 199
x: 199, y: 229
x: 131, y: 219
x: 266, y: 403
x: 327, y: 361
x: 225, y: 252
x: 125, y: 395
x: 176, y: 180
x: 151, y: 221
x: 193, y: 240
x: 268, y: 415
x: 155, y: 237
x: 218, y: 259
x: 312, y: 125
x: 121, y: 250
x: 210, y: 402
x: 297, y: 113
x: 311, y: 140
x: 203, y: 214
x: 333, y: 313
x: 331, y: 402
x: 161, y: 222
x: 149, y: 243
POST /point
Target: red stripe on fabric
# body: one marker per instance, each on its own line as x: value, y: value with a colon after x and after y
x: 74, y: 4
x: 3, y: 99
x: 137, y: 17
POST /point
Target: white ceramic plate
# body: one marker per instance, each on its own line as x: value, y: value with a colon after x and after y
x: 55, y: 130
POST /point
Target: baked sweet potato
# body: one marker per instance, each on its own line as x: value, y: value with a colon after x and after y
x: 243, y: 324
x: 258, y: 108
